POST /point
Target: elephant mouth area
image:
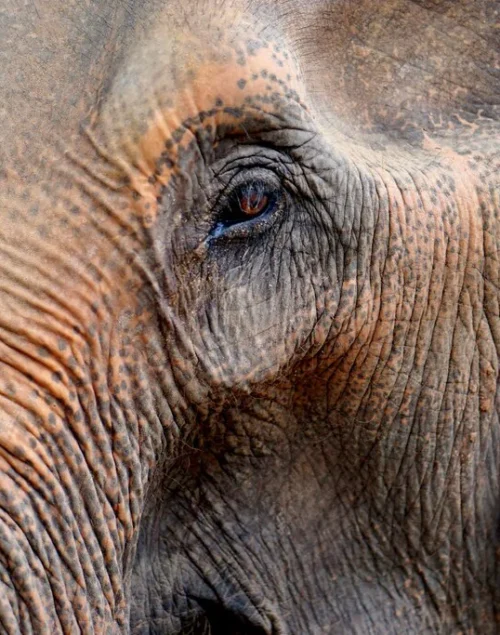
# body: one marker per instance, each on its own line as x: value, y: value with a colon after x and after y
x: 217, y: 619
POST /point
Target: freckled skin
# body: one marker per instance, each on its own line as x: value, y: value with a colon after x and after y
x: 288, y: 425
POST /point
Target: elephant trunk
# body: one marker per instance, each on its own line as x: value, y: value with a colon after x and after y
x: 81, y: 431
x: 61, y: 539
x: 74, y: 470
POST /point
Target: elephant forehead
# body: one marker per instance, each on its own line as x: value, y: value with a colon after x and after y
x: 175, y: 77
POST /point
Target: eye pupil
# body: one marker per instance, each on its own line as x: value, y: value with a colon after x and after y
x: 253, y: 203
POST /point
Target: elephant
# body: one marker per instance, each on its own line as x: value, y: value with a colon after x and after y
x: 249, y: 316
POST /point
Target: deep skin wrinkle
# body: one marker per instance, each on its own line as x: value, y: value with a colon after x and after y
x: 292, y: 428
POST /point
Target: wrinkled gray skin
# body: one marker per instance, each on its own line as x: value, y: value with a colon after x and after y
x: 250, y: 323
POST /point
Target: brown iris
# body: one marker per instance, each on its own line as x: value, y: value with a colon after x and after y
x: 250, y: 201
x: 253, y: 200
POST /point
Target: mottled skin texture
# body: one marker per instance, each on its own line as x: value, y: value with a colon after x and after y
x: 289, y: 426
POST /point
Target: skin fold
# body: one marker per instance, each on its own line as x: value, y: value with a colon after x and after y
x: 249, y: 316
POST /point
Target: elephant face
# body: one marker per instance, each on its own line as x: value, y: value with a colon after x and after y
x: 249, y: 329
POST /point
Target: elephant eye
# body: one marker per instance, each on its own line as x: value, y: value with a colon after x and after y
x: 249, y: 204
x: 253, y: 199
